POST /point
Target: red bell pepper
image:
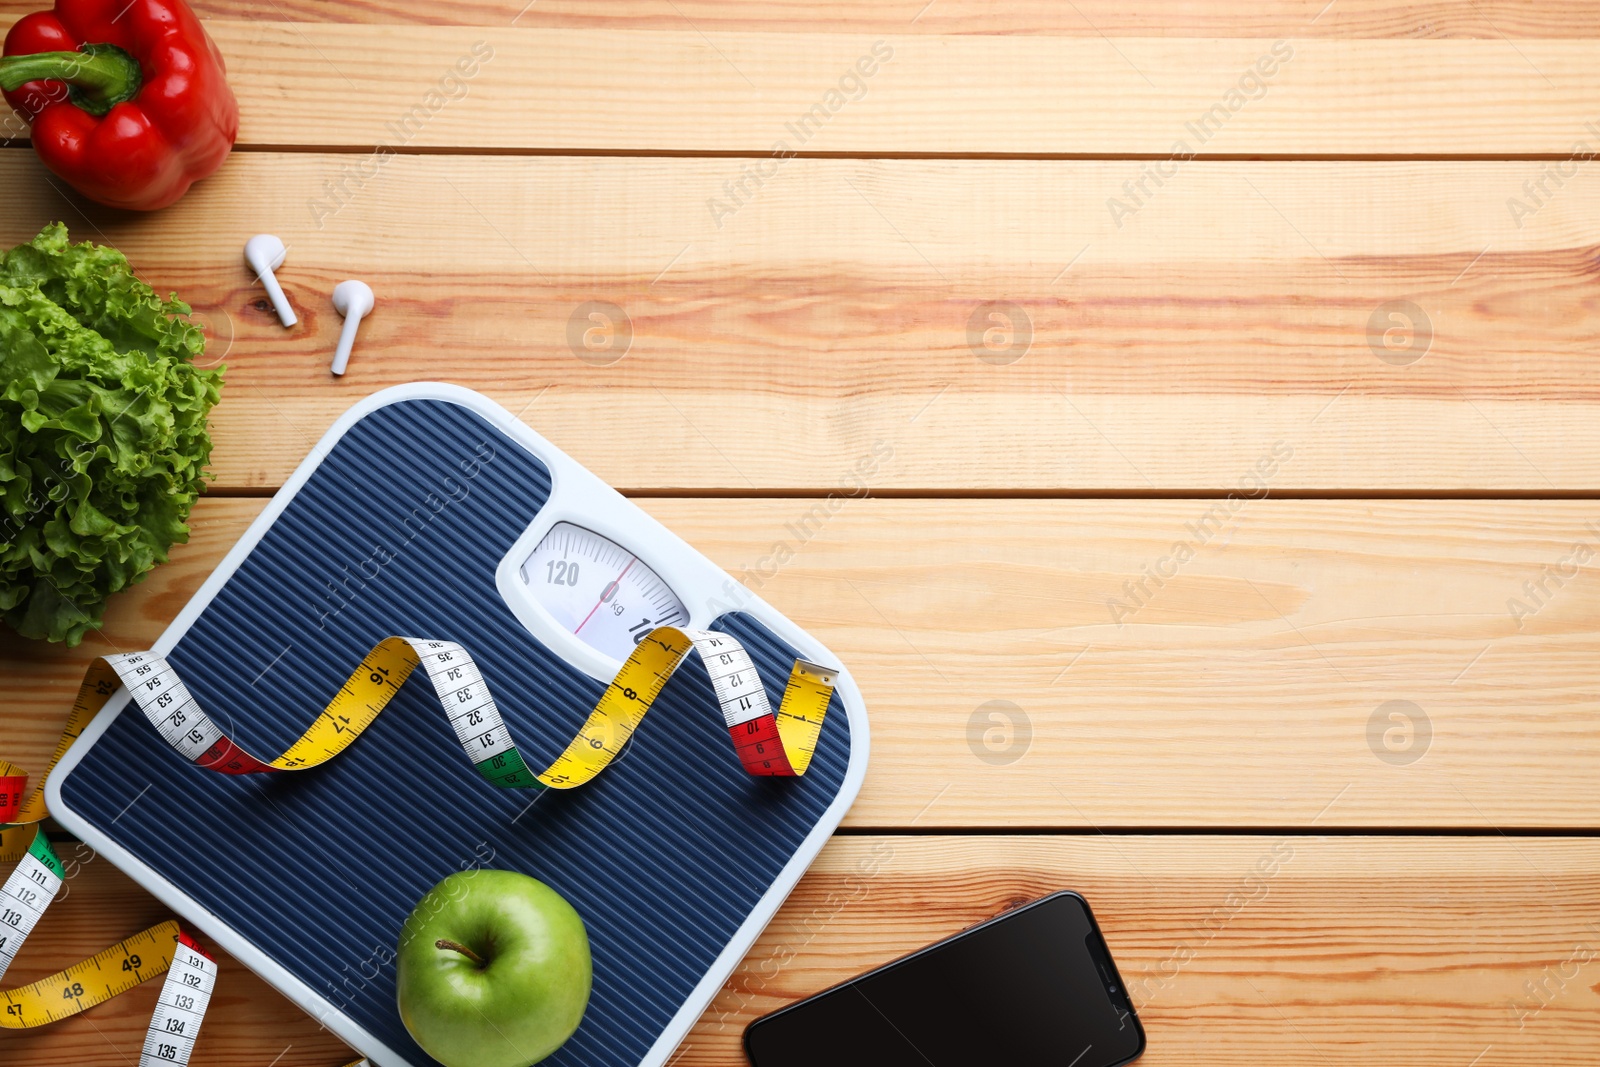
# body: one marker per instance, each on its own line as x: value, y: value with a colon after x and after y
x: 127, y: 100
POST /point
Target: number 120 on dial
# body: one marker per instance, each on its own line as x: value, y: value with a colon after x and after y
x: 602, y: 593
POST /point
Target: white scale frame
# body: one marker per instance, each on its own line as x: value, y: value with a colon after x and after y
x: 576, y: 496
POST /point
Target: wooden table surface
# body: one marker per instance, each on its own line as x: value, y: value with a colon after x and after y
x: 1225, y: 375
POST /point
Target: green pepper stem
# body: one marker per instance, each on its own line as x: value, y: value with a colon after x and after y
x: 102, y: 76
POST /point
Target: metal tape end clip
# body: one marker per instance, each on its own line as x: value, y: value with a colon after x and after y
x: 825, y: 675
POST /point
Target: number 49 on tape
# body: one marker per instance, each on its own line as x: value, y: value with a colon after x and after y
x: 186, y: 993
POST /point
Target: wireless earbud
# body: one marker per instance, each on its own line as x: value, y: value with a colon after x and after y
x: 265, y: 253
x: 352, y: 299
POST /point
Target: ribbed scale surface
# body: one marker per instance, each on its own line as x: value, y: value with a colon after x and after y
x: 319, y: 869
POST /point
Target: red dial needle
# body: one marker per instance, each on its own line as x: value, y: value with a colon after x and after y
x: 610, y: 587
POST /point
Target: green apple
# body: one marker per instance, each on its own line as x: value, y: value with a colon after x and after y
x: 493, y: 970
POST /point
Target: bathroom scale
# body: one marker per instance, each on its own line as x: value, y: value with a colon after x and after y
x: 429, y: 510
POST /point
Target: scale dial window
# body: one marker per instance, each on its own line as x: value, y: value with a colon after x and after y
x: 603, y: 594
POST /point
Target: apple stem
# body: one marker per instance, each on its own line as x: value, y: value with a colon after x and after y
x: 463, y: 949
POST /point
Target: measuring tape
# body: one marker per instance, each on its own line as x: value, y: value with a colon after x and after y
x: 767, y: 743
x: 190, y: 971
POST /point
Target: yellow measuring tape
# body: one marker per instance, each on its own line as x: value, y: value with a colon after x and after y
x: 162, y: 949
x: 767, y: 742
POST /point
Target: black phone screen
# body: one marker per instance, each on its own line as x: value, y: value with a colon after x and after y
x: 1035, y: 986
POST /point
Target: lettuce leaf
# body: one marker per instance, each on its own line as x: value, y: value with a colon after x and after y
x: 103, y: 440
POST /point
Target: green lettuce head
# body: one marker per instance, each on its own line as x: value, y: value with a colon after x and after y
x: 103, y: 441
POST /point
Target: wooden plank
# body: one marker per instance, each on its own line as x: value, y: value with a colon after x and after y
x: 1244, y: 304
x: 1256, y: 687
x: 1488, y: 19
x: 1301, y: 950
x: 1351, y: 950
x: 1496, y: 19
x: 685, y: 90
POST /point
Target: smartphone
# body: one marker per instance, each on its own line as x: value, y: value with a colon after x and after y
x: 1031, y: 987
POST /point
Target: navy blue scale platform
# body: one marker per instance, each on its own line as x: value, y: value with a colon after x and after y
x: 399, y: 528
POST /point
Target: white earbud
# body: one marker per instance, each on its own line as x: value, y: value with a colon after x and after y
x: 265, y: 253
x: 351, y: 299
